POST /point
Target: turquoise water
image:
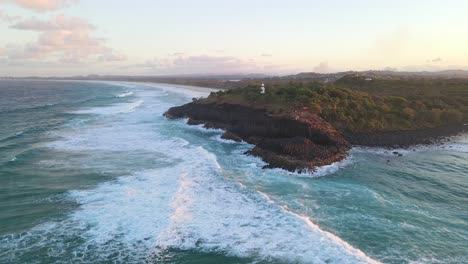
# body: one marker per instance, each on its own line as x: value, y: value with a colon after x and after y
x: 91, y: 172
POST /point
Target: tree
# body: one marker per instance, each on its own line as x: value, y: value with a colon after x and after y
x: 409, y: 113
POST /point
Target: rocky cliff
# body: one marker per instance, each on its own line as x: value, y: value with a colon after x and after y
x: 295, y: 141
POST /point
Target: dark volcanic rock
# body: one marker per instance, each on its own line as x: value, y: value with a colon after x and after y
x: 405, y: 139
x: 231, y: 136
x: 298, y: 141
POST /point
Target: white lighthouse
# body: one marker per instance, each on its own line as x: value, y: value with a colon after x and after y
x: 263, y: 88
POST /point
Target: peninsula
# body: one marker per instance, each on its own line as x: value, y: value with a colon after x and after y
x: 299, y: 126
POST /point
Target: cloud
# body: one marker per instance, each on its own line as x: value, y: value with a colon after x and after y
x: 57, y: 23
x: 41, y: 5
x: 322, y: 67
x: 63, y: 39
x: 113, y: 56
x: 266, y: 55
x: 437, y: 60
x: 202, y: 64
x: 7, y: 18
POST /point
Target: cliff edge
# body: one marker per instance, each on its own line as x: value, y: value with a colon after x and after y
x: 295, y: 141
x: 298, y: 126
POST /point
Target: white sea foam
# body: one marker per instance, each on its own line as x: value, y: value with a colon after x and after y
x: 457, y: 143
x: 204, y: 129
x: 319, y: 171
x: 185, y: 90
x: 193, y: 92
x: 121, y: 137
x: 112, y: 110
x: 124, y: 94
x: 121, y: 84
x: 213, y: 214
x: 332, y: 168
x: 226, y: 141
x: 126, y: 215
x: 190, y: 205
x: 452, y: 146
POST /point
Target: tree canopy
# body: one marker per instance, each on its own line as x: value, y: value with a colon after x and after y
x: 355, y: 104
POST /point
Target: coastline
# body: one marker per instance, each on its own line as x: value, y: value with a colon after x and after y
x: 289, y: 142
x: 192, y: 88
x: 199, y: 89
x: 298, y: 141
x: 406, y: 138
x: 386, y: 140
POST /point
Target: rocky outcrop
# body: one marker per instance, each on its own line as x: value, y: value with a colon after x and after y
x: 405, y: 138
x: 295, y: 141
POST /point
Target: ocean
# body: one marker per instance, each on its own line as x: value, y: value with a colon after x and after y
x: 91, y: 172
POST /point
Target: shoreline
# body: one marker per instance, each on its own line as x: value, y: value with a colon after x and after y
x: 198, y: 89
x: 179, y: 86
x: 299, y: 142
x: 192, y: 88
x: 406, y: 138
x: 281, y: 141
x: 388, y: 140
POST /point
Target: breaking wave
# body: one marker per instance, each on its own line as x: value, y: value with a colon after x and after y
x: 181, y: 200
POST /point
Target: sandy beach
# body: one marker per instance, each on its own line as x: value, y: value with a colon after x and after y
x: 198, y: 89
x: 187, y: 87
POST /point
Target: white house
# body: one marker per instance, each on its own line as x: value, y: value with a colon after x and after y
x: 263, y: 88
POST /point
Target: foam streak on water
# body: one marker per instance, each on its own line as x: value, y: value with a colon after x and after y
x: 166, y: 191
x: 185, y: 203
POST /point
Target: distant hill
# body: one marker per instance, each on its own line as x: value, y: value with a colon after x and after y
x: 331, y: 77
x: 241, y: 80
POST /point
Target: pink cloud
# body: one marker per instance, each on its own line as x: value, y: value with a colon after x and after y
x: 41, y: 5
x: 59, y: 22
x: 203, y: 64
x: 200, y: 64
x: 64, y: 39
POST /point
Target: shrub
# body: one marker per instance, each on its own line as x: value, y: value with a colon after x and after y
x: 451, y: 116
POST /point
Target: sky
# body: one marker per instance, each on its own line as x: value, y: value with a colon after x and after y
x: 153, y: 37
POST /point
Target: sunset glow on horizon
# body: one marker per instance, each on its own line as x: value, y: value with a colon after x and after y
x: 144, y: 37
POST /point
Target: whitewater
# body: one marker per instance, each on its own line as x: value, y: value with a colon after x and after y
x: 126, y: 185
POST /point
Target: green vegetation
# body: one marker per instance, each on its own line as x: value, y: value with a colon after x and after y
x: 358, y: 105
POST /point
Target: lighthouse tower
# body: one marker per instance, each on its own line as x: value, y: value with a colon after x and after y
x: 263, y: 88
